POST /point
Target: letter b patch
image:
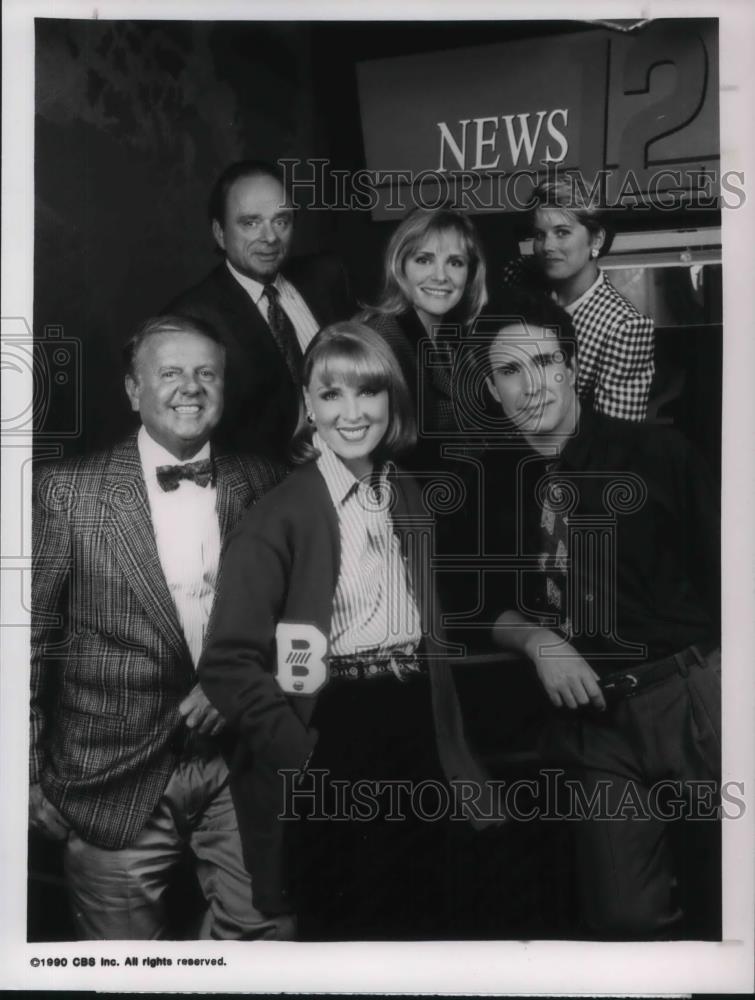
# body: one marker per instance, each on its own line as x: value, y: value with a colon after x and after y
x: 301, y: 658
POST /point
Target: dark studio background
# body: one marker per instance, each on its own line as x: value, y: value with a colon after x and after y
x: 135, y: 120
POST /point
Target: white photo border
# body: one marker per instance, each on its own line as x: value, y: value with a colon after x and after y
x: 497, y: 968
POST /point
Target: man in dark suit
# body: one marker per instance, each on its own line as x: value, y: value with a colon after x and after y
x: 126, y: 764
x: 265, y: 306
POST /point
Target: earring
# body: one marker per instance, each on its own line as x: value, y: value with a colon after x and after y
x: 310, y: 418
x: 594, y: 252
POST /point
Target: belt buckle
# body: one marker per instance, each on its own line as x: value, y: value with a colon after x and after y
x: 404, y: 665
x: 616, y: 688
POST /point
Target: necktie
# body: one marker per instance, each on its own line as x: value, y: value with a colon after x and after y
x: 554, y: 533
x: 169, y: 476
x: 283, y: 330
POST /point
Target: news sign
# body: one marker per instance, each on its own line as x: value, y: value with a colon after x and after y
x: 636, y: 113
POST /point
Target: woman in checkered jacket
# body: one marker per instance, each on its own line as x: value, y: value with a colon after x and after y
x: 615, y: 343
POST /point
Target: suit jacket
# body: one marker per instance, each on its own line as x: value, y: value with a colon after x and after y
x: 261, y: 400
x: 280, y: 568
x: 110, y: 663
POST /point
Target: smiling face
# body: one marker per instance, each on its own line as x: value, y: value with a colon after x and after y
x: 534, y: 382
x: 563, y: 246
x: 257, y: 228
x: 351, y: 415
x: 435, y: 274
x: 177, y: 389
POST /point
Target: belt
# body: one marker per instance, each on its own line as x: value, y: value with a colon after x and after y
x: 364, y: 667
x: 189, y: 744
x: 627, y: 683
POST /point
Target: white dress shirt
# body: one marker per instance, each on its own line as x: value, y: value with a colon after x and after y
x: 187, y: 533
x: 294, y: 306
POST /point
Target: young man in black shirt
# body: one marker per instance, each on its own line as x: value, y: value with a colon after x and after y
x: 618, y: 610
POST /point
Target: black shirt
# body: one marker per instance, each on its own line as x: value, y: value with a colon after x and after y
x: 643, y: 542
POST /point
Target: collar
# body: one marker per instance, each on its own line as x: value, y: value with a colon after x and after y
x: 340, y: 481
x: 573, y: 306
x: 153, y: 454
x: 251, y: 286
x: 412, y: 325
x: 575, y: 452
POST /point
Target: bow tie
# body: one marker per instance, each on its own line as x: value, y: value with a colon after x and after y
x: 169, y: 476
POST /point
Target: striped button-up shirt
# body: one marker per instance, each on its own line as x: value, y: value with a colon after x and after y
x: 187, y: 533
x: 294, y: 306
x: 373, y: 608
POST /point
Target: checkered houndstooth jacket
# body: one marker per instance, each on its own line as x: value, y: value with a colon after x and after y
x: 615, y: 347
x: 110, y: 663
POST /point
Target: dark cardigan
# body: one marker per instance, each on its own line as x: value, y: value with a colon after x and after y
x: 280, y: 566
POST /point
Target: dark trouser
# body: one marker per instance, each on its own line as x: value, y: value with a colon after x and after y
x: 669, y: 732
x: 360, y: 875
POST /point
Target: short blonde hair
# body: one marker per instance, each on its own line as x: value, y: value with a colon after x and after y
x: 353, y: 353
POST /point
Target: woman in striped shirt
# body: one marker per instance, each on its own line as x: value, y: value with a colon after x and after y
x: 324, y: 656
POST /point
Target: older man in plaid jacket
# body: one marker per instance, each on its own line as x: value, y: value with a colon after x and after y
x: 126, y: 763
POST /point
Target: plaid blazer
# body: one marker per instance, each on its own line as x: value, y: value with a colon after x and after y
x: 615, y: 346
x: 110, y: 663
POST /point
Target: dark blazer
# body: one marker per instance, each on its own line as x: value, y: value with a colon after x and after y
x: 105, y: 687
x: 261, y: 400
x: 405, y: 335
x: 429, y: 368
x: 280, y: 567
